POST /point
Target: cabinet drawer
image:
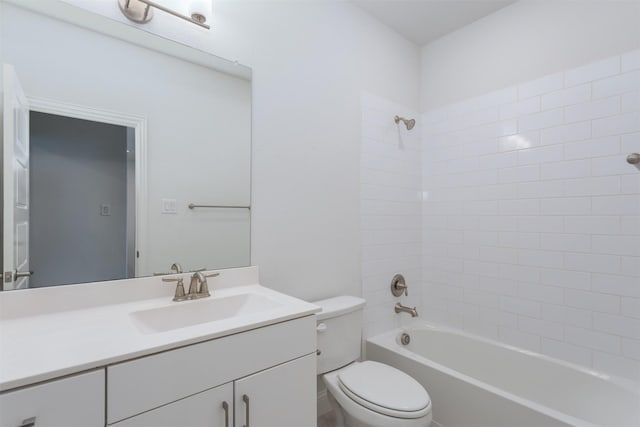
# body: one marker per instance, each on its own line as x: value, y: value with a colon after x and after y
x: 201, y: 410
x: 76, y: 401
x: 149, y: 382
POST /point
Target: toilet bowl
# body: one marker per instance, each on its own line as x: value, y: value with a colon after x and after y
x: 372, y: 394
x: 363, y: 394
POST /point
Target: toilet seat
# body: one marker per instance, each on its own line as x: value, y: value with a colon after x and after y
x: 384, y: 390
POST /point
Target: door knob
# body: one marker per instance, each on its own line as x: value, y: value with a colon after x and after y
x: 29, y: 422
x: 18, y: 274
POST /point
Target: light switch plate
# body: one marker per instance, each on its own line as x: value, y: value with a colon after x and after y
x: 105, y: 209
x: 169, y: 206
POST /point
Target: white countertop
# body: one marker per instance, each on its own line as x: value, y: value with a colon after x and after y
x: 65, y: 336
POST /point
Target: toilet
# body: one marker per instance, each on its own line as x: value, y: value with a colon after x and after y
x: 363, y: 394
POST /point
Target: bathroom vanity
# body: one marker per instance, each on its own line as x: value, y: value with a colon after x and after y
x: 124, y: 354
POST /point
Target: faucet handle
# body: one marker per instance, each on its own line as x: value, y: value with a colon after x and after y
x: 179, y: 294
x: 204, y: 286
x: 399, y: 286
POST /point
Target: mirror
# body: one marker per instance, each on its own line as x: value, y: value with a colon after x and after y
x: 111, y: 144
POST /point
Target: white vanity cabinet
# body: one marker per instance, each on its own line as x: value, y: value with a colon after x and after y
x: 277, y: 397
x: 245, y: 357
x: 273, y: 366
x: 75, y: 401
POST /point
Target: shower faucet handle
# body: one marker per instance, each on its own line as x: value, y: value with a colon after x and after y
x: 399, y: 286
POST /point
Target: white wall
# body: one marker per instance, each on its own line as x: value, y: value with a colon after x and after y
x: 391, y: 207
x: 307, y: 132
x: 524, y: 41
x: 532, y: 215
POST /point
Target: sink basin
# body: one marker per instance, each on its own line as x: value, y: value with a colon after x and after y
x: 189, y: 313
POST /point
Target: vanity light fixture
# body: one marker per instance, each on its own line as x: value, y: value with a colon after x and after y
x: 141, y: 11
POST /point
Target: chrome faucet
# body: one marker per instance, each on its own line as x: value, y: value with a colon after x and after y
x: 403, y: 309
x: 201, y: 291
x: 194, y: 292
x: 175, y: 268
x: 198, y: 287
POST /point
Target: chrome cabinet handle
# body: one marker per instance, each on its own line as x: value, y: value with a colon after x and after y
x: 29, y: 422
x: 633, y: 158
x: 245, y: 399
x: 225, y: 406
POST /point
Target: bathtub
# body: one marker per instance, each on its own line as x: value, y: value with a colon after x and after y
x: 475, y: 382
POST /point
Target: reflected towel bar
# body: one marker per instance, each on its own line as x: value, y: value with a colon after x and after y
x: 193, y: 206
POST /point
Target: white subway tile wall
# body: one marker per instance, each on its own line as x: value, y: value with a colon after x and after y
x: 391, y: 205
x: 531, y: 215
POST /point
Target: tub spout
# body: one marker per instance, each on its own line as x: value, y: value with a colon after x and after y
x: 401, y: 308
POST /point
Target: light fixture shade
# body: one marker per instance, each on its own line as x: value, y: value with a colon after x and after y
x: 189, y: 7
x: 200, y: 8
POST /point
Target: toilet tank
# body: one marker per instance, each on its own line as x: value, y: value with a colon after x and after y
x: 339, y: 329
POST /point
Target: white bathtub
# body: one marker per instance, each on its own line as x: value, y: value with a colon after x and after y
x: 474, y: 382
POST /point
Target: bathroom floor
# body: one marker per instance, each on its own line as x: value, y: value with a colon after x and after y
x: 327, y: 420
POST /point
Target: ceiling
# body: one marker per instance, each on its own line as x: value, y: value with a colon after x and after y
x: 423, y: 21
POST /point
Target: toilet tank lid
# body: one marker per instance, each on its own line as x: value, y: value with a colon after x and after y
x: 336, y: 306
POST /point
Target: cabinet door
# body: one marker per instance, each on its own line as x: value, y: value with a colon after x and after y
x: 76, y: 401
x: 149, y: 382
x: 282, y: 396
x: 205, y: 409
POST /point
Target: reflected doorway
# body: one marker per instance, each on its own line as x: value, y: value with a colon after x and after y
x: 82, y: 200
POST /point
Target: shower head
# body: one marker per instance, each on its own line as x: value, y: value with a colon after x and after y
x: 409, y: 123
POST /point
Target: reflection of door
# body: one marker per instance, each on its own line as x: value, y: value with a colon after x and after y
x: 16, y: 183
x: 79, y: 183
